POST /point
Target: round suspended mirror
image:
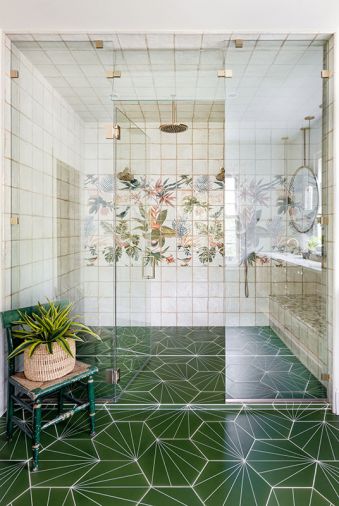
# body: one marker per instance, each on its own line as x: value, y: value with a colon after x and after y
x: 304, y: 199
x: 303, y: 190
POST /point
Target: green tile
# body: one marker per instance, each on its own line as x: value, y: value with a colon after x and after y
x: 123, y: 441
x: 16, y: 449
x: 45, y: 496
x: 14, y: 480
x: 109, y: 497
x: 58, y: 473
x: 319, y: 439
x: 171, y: 496
x: 107, y: 475
x: 172, y: 463
x: 231, y: 483
x: 174, y: 424
x: 282, y: 463
x: 327, y: 480
x: 265, y: 425
x: 223, y: 440
x: 297, y: 497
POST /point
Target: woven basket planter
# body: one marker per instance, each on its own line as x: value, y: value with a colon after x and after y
x: 44, y: 366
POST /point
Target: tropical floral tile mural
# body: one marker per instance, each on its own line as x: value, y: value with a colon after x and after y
x: 173, y: 220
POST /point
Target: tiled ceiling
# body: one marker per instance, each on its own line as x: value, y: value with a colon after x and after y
x: 161, y: 112
x: 275, y: 78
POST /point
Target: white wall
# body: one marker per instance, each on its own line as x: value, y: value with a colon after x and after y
x: 38, y: 130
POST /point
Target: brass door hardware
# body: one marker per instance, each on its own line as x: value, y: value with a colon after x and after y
x: 227, y: 73
x: 326, y: 74
x: 14, y: 220
x: 113, y: 132
x: 113, y: 74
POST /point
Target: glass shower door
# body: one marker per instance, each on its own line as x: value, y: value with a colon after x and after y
x: 276, y: 266
x: 133, y: 266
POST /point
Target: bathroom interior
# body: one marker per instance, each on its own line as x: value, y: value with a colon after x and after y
x: 178, y: 189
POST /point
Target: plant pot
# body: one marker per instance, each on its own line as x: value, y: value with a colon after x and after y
x: 45, y: 366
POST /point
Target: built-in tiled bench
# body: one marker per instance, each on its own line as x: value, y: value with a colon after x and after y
x: 300, y: 321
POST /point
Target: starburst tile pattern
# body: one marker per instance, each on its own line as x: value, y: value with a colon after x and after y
x: 190, y: 365
x: 268, y: 456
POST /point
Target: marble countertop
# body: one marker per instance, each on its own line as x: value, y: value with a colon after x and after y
x: 292, y: 259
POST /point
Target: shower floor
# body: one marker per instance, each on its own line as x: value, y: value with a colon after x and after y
x: 188, y: 365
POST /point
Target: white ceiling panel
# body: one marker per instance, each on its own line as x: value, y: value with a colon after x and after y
x: 276, y: 78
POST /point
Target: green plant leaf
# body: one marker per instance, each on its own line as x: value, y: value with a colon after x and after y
x: 162, y: 216
x: 50, y: 324
x: 33, y: 347
x: 64, y: 345
x: 167, y: 231
x: 19, y: 349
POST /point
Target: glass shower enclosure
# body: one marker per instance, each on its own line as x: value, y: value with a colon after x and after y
x: 202, y: 258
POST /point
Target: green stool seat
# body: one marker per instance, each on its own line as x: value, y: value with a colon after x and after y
x: 28, y: 394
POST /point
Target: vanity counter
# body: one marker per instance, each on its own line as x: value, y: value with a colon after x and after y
x: 292, y: 259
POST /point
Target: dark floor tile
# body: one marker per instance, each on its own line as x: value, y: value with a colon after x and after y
x: 171, y: 496
x: 172, y: 463
x: 231, y: 483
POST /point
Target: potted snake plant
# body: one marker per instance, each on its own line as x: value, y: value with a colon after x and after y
x: 48, y: 341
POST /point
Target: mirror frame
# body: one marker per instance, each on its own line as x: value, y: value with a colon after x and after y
x: 291, y: 194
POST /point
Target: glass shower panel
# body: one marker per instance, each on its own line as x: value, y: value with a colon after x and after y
x: 46, y: 190
x: 134, y: 264
x: 275, y: 253
x: 62, y: 199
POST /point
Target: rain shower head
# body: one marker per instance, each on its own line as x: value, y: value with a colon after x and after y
x: 174, y: 127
